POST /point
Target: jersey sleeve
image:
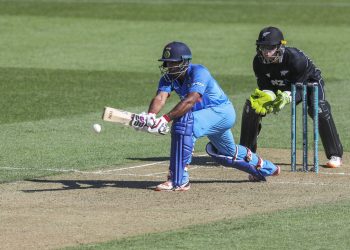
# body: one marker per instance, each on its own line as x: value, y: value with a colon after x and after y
x: 299, y: 65
x: 200, y: 78
x: 164, y: 86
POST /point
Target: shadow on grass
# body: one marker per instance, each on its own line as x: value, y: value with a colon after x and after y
x: 196, y: 160
x: 91, y: 184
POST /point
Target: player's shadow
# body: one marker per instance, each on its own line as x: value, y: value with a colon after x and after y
x: 196, y: 160
x: 154, y: 159
x: 90, y: 184
x: 93, y: 184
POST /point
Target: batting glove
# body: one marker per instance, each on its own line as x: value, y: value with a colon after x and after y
x: 281, y: 100
x: 262, y: 100
x: 151, y: 119
x: 139, y: 121
x: 160, y: 126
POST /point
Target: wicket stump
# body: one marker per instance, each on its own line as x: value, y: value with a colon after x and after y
x: 304, y: 88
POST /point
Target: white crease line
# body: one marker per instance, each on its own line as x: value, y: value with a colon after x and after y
x: 120, y: 169
x: 309, y: 183
x: 40, y: 169
x: 142, y: 175
x: 91, y: 172
x: 156, y: 174
x: 334, y: 173
x: 85, y: 172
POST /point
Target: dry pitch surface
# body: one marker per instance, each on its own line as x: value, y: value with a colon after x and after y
x: 85, y: 207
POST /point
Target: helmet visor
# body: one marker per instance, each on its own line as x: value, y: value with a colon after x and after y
x: 173, y: 70
x: 270, y: 53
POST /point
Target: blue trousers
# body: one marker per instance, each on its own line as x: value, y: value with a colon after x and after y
x: 216, y: 124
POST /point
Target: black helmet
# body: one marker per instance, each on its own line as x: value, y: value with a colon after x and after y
x: 270, y: 45
x: 175, y: 52
x: 270, y: 36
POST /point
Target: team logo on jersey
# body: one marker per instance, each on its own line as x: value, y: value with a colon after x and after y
x: 166, y: 54
x: 268, y: 75
x: 284, y: 72
x: 266, y: 33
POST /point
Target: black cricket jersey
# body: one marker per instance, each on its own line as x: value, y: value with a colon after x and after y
x: 295, y: 67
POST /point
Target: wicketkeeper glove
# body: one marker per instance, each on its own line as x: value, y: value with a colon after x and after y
x: 262, y: 100
x: 282, y: 98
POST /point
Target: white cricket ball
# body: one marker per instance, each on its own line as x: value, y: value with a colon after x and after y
x: 97, y: 128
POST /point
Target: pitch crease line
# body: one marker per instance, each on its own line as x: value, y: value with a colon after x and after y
x: 84, y: 172
x: 90, y: 172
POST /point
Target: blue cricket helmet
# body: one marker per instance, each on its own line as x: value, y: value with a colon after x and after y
x: 176, y: 52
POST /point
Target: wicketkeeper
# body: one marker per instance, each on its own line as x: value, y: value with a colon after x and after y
x: 203, y: 110
x: 276, y: 67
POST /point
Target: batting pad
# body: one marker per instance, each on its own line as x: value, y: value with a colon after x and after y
x: 181, y: 147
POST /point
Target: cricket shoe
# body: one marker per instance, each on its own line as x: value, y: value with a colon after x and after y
x: 334, y: 162
x: 168, y: 185
x: 183, y: 187
x: 253, y: 178
x: 277, y: 172
x: 165, y: 186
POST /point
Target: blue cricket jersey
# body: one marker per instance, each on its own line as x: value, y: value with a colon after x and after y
x: 198, y: 79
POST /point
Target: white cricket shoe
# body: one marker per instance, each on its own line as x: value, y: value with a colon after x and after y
x: 168, y: 186
x: 334, y: 162
x: 184, y: 187
x: 165, y: 186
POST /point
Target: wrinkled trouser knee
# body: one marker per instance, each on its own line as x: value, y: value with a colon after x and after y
x: 244, y: 160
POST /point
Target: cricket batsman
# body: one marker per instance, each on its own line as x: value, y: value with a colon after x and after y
x: 276, y: 67
x: 203, y: 110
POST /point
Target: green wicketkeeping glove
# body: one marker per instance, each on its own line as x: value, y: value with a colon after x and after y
x: 282, y: 98
x: 262, y: 101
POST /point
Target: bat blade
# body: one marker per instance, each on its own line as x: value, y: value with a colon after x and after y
x: 117, y: 116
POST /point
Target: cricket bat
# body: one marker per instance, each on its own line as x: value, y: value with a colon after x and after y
x: 125, y: 117
x: 117, y: 116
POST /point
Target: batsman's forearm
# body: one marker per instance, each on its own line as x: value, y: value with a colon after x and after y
x: 156, y: 106
x: 180, y: 109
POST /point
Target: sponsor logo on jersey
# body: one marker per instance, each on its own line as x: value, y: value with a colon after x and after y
x: 268, y: 75
x: 278, y: 83
x: 199, y: 84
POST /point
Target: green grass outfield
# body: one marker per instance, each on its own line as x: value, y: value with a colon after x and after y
x: 62, y: 61
x: 322, y: 227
